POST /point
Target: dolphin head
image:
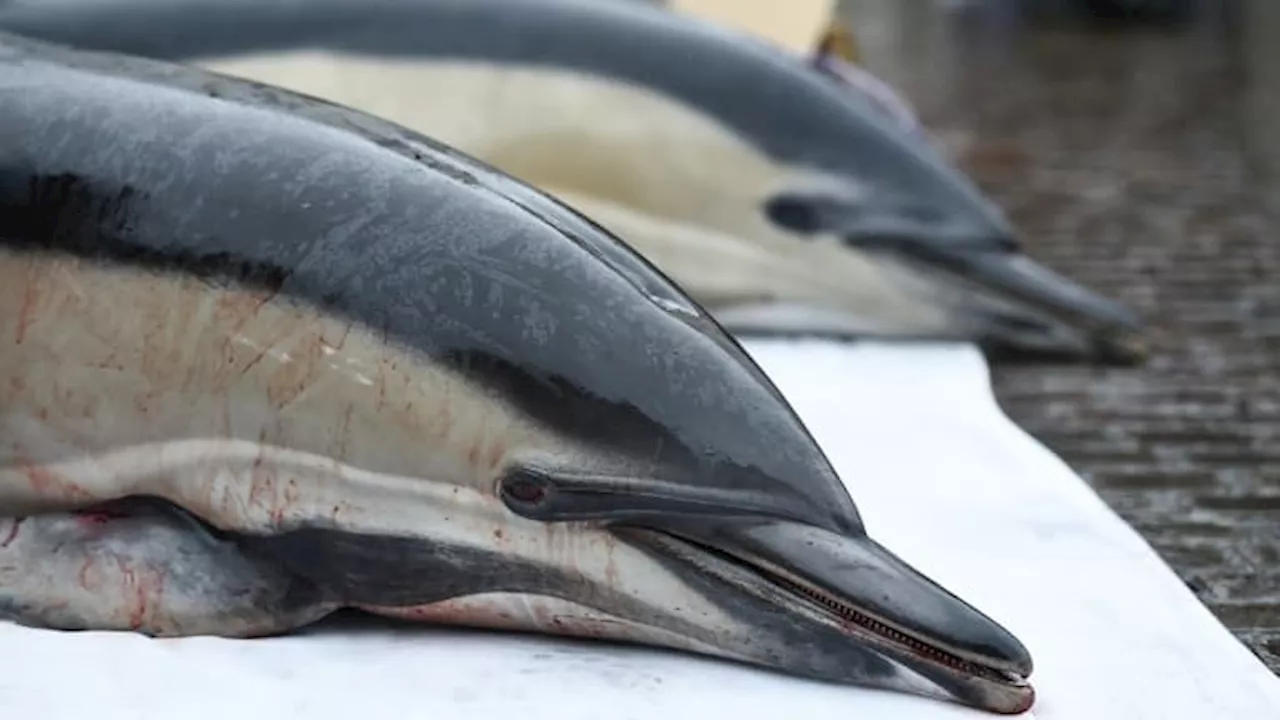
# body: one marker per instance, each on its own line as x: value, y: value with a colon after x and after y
x: 674, y: 499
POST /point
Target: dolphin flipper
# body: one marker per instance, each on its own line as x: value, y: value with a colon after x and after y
x: 146, y: 566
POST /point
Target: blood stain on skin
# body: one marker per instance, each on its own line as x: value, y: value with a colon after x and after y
x: 287, y: 498
x: 236, y: 309
x: 12, y: 533
x: 344, y: 433
x: 461, y: 612
x: 496, y: 451
x: 47, y: 484
x: 262, y: 488
x: 143, y: 589
x: 611, y: 563
x: 94, y: 518
x: 87, y: 577
x: 27, y: 313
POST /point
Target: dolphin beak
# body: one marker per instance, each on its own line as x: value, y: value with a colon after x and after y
x: 984, y: 259
x: 1019, y: 334
x: 1110, y: 333
x: 878, y: 601
x: 1023, y: 277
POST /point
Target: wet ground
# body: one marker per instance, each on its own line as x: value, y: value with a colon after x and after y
x: 1141, y: 161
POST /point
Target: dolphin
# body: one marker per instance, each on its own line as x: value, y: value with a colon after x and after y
x: 817, y: 211
x: 265, y: 356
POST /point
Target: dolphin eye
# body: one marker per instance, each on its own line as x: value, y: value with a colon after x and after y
x: 793, y: 213
x: 525, y: 489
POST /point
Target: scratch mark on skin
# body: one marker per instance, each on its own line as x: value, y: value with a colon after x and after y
x: 262, y: 353
x: 344, y: 432
x: 26, y: 314
x: 13, y: 532
x: 296, y: 380
x: 240, y: 308
x: 337, y: 346
x: 611, y: 563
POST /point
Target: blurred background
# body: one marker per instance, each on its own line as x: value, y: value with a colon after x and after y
x: 1135, y: 145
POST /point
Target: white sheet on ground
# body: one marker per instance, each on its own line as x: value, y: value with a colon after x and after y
x: 941, y: 476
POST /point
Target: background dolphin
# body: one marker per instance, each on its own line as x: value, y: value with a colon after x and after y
x: 349, y: 366
x: 631, y: 107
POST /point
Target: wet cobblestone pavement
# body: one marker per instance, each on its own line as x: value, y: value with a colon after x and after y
x: 1136, y: 161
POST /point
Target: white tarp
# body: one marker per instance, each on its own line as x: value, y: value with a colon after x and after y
x: 942, y: 478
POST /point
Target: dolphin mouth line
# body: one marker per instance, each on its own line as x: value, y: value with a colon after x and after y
x: 856, y: 622
x: 930, y: 651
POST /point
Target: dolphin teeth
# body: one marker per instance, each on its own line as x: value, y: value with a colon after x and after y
x: 852, y: 618
x: 881, y: 629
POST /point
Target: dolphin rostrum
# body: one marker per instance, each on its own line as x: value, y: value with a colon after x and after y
x: 265, y: 356
x: 777, y: 190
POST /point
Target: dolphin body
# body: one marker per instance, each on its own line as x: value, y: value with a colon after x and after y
x: 779, y: 192
x: 265, y: 357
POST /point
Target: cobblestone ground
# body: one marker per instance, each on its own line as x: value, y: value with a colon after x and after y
x: 1129, y: 159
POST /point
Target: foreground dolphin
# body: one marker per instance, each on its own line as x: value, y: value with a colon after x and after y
x: 264, y: 357
x: 815, y: 210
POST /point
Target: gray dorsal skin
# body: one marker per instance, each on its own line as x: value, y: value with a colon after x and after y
x: 518, y: 291
x: 353, y: 367
x: 905, y: 205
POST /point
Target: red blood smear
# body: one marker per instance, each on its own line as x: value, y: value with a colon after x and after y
x: 99, y: 516
x: 12, y: 534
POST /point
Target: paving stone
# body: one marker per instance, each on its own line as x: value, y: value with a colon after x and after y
x: 1130, y: 162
